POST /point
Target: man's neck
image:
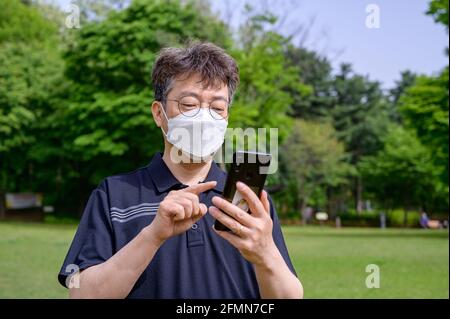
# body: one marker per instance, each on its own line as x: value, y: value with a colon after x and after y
x: 186, y: 173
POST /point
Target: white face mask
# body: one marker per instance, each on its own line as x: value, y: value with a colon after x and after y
x: 199, y: 135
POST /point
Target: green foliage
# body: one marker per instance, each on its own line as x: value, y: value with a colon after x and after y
x: 30, y: 75
x: 424, y: 107
x: 75, y: 105
x: 27, y: 81
x: 362, y: 219
x: 402, y: 173
x: 360, y: 113
x: 105, y: 123
x: 412, y: 168
x: 315, y: 71
x: 407, y: 79
x: 315, y: 160
x: 263, y: 98
x: 21, y: 23
x: 394, y: 218
x: 438, y: 9
x: 117, y: 54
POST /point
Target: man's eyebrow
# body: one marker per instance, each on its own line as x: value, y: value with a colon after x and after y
x: 219, y: 97
x: 190, y: 93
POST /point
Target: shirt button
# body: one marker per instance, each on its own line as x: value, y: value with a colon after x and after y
x: 194, y: 227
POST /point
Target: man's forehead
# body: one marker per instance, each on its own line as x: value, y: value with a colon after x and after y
x: 195, y: 84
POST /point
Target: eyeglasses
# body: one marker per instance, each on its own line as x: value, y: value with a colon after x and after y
x: 189, y: 106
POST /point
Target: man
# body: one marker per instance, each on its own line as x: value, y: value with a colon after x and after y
x: 149, y: 234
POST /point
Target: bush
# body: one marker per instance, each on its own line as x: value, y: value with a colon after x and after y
x: 394, y: 218
x: 364, y: 219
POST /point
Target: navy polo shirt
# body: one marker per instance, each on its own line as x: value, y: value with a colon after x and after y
x: 194, y: 264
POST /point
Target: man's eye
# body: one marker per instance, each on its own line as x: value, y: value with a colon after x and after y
x: 189, y: 105
x: 218, y: 109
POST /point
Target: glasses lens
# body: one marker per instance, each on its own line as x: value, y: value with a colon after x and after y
x: 219, y: 109
x: 189, y: 105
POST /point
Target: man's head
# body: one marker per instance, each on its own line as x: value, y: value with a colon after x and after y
x: 214, y: 67
x: 201, y: 75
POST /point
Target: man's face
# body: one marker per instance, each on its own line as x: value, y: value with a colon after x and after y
x: 190, y: 89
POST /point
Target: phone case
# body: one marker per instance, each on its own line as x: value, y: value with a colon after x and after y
x: 246, y: 168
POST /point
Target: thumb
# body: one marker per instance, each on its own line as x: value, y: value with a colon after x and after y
x: 203, y: 210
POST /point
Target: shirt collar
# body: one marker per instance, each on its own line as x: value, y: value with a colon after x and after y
x: 164, y: 180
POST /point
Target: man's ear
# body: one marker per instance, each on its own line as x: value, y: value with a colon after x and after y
x: 157, y: 113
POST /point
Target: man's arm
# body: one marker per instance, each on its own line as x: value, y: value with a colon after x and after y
x: 275, y: 279
x: 116, y: 277
x: 252, y: 236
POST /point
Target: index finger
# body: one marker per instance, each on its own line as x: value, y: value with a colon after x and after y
x: 200, y: 188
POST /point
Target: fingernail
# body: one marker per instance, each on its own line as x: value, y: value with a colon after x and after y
x: 239, y: 184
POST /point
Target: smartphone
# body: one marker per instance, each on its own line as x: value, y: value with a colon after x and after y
x: 250, y: 168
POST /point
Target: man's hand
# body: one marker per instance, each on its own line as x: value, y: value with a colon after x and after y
x: 251, y: 234
x: 179, y: 211
x: 116, y: 277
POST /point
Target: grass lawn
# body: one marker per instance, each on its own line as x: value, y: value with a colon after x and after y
x: 330, y: 262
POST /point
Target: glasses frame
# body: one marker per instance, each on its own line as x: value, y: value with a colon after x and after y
x: 198, y: 109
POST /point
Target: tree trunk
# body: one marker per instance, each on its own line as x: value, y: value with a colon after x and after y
x: 301, y: 206
x: 405, y: 217
x: 329, y: 205
x: 358, y: 195
x: 2, y: 205
x: 406, y: 209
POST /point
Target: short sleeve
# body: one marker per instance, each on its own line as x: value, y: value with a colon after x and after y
x: 278, y: 237
x: 93, y: 241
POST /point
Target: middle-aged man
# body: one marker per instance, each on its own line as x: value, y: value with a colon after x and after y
x: 149, y: 233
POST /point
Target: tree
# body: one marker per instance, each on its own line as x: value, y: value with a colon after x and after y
x: 23, y: 23
x: 263, y: 99
x: 315, y: 71
x: 425, y: 109
x: 403, y: 174
x: 71, y: 119
x: 360, y: 117
x: 314, y: 160
x: 438, y: 9
x: 105, y: 125
x: 412, y: 168
x: 407, y: 79
x: 30, y: 72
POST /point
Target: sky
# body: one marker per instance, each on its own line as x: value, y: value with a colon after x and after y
x: 406, y: 39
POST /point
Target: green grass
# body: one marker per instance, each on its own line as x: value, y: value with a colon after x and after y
x: 30, y: 258
x: 330, y: 262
